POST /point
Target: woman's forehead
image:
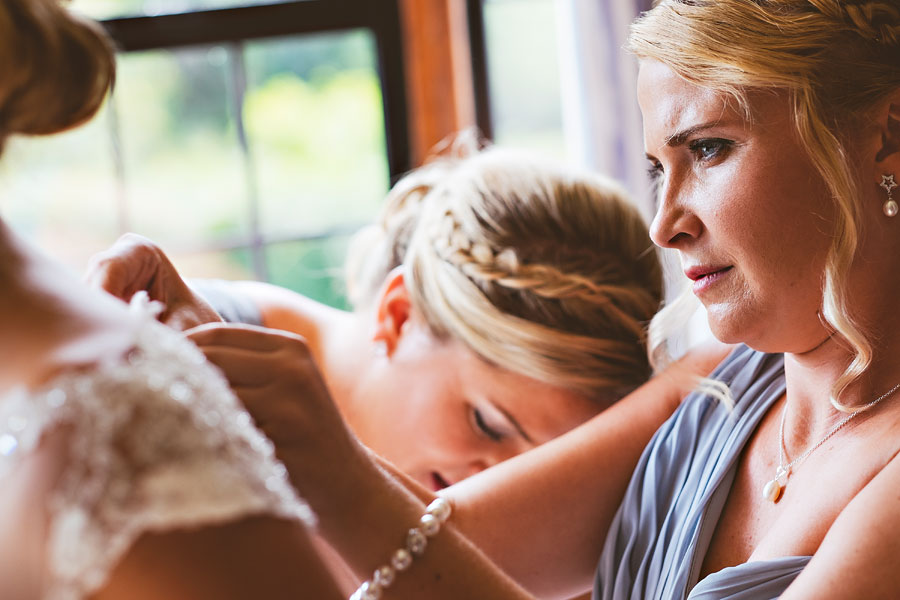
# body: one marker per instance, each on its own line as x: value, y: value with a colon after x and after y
x: 670, y: 103
x: 673, y: 106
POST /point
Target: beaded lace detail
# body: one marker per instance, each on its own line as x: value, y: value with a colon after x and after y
x: 158, y: 442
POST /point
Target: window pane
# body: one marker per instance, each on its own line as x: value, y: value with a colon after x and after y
x: 228, y: 264
x: 314, y: 119
x: 185, y: 179
x: 111, y: 9
x: 523, y: 74
x: 61, y: 191
x: 314, y: 268
x: 165, y: 159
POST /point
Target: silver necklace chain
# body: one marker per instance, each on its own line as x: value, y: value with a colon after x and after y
x: 773, y: 489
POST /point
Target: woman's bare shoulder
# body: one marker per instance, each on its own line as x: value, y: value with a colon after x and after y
x: 860, y: 555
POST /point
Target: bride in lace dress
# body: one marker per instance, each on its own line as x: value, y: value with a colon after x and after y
x: 128, y: 469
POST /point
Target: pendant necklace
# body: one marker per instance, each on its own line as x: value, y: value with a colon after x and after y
x: 774, y: 489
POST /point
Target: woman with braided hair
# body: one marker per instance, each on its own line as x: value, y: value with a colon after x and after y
x: 773, y: 127
x: 499, y: 301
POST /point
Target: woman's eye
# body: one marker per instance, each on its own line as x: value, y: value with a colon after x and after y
x: 711, y: 149
x: 483, y: 427
x: 655, y: 170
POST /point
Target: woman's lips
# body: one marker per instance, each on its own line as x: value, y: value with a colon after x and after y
x: 705, y: 277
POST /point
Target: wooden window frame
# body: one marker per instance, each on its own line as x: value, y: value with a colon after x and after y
x: 234, y: 25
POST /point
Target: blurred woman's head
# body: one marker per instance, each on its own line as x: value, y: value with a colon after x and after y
x: 55, y: 68
x: 526, y: 287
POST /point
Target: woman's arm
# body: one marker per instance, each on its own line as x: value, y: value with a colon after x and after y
x: 563, y: 494
x: 566, y: 492
x: 486, y: 503
x: 279, y: 308
x: 364, y: 513
x: 257, y: 557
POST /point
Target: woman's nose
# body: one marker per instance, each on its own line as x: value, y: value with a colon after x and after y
x: 674, y: 223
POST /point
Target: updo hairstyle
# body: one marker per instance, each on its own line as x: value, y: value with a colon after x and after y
x: 55, y: 68
x: 538, y: 269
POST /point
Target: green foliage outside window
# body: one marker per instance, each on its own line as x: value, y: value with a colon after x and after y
x: 317, y: 166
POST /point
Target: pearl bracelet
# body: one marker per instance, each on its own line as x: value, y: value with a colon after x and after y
x: 430, y: 523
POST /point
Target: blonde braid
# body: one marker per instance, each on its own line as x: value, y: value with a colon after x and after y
x: 541, y: 271
x: 538, y: 270
x: 481, y: 263
x: 874, y: 21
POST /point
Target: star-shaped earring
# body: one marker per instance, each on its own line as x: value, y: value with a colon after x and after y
x: 890, y: 207
x: 887, y: 182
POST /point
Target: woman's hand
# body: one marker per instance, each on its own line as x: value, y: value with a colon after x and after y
x: 275, y: 376
x: 133, y: 264
x: 362, y: 510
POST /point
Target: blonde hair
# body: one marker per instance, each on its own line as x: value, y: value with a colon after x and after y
x: 834, y: 59
x: 55, y: 68
x: 537, y: 269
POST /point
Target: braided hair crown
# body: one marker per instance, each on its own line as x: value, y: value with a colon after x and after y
x: 874, y: 20
x: 539, y: 269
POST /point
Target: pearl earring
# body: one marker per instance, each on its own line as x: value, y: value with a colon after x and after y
x: 380, y: 348
x: 890, y: 207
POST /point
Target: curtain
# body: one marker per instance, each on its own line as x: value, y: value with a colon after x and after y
x: 601, y: 119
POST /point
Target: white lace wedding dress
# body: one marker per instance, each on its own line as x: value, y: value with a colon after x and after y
x: 158, y: 442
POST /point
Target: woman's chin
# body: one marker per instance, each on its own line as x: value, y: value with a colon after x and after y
x: 724, y: 326
x: 767, y: 333
x: 731, y: 328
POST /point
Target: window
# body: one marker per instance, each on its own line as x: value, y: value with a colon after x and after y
x: 522, y: 74
x: 516, y: 73
x: 250, y: 141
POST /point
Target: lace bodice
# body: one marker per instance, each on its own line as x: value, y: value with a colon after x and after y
x: 158, y: 441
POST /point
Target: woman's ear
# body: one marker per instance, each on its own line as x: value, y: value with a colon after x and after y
x: 392, y: 311
x: 888, y: 155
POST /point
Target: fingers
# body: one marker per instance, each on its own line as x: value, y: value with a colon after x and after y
x: 254, y: 356
x: 131, y: 264
x: 188, y: 311
x: 250, y: 337
x: 241, y: 366
x: 134, y: 263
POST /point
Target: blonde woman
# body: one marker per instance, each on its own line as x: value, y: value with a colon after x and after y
x: 774, y: 127
x: 127, y: 467
x: 499, y: 301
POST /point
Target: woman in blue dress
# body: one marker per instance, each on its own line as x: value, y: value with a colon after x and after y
x: 773, y: 127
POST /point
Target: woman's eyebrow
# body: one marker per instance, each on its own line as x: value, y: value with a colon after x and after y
x: 679, y: 138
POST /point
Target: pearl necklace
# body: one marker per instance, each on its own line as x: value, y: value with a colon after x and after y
x: 774, y: 489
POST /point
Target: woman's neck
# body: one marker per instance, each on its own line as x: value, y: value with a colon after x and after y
x: 811, y: 376
x: 872, y: 287
x: 27, y: 308
x: 43, y: 310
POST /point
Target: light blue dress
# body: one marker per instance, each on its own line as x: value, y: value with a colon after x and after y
x: 660, y: 535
